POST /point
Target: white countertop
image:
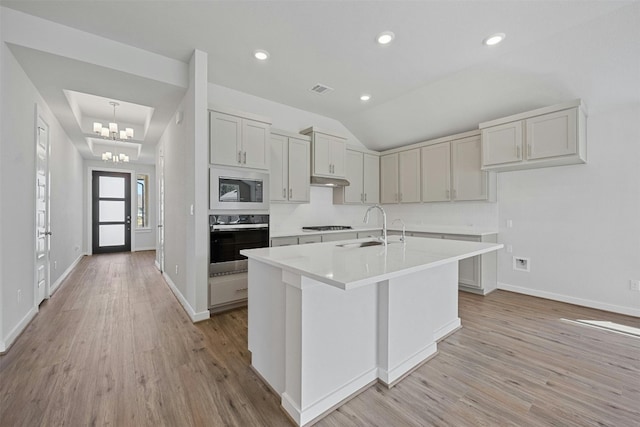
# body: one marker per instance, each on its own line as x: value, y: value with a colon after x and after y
x: 346, y: 268
x: 422, y: 228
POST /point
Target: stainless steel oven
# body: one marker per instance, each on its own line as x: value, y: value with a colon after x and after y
x: 236, y: 189
x: 229, y: 234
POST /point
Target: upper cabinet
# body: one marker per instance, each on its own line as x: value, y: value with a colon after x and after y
x: 436, y: 172
x: 290, y: 159
x: 550, y: 136
x: 469, y: 181
x: 400, y: 177
x: 363, y: 173
x: 238, y: 140
x: 328, y: 153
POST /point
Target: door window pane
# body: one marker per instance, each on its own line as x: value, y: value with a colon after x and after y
x: 142, y: 219
x: 112, y: 235
x: 111, y: 211
x: 111, y: 186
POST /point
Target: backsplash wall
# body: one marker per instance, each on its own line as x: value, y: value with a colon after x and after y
x: 322, y: 211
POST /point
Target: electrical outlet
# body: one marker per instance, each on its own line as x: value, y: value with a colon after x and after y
x: 176, y: 268
x: 521, y: 264
x: 634, y: 285
x: 19, y: 295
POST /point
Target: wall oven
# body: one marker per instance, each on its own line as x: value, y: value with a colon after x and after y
x: 236, y: 189
x: 229, y: 235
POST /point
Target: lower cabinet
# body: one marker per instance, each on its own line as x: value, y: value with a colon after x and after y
x: 227, y: 291
x: 477, y: 274
x: 327, y: 237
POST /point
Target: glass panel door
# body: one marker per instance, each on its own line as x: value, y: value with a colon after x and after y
x: 111, y: 212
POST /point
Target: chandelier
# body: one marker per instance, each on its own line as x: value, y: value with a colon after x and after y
x: 111, y: 132
x: 115, y: 158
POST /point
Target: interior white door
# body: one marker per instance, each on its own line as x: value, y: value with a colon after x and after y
x: 43, y: 232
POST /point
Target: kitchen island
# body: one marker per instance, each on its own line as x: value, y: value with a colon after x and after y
x: 326, y: 320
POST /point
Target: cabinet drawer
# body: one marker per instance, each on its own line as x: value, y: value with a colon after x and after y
x: 226, y: 289
x: 332, y: 237
x: 284, y: 241
x: 309, y: 239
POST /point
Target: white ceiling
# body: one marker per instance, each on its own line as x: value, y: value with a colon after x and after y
x: 329, y: 42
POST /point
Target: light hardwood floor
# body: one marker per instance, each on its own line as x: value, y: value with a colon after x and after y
x: 114, y: 347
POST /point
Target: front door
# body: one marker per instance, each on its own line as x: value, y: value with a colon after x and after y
x: 111, y: 211
x: 42, y: 211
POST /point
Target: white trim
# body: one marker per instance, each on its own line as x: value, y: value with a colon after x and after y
x: 17, y: 330
x: 195, y: 317
x: 64, y: 275
x: 447, y: 329
x: 157, y: 264
x: 571, y: 300
x: 407, y: 366
x: 319, y: 407
x: 144, y: 248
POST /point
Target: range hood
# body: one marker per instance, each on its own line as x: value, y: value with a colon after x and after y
x: 322, y: 181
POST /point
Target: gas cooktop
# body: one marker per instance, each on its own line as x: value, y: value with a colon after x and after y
x: 327, y: 228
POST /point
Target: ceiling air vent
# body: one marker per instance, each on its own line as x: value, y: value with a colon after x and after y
x: 321, y: 89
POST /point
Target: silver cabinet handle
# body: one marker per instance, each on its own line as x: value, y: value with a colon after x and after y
x: 528, y: 150
x: 284, y: 192
x: 290, y: 193
x: 239, y: 156
x: 518, y: 151
x: 365, y: 197
x: 245, y: 158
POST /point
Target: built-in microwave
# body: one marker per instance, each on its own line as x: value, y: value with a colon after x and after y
x: 233, y: 189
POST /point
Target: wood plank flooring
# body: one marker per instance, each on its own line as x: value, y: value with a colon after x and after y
x: 114, y: 347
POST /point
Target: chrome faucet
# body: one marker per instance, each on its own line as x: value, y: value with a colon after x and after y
x: 384, y: 221
x: 404, y: 228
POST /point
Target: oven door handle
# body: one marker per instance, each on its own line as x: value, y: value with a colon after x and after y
x: 240, y: 227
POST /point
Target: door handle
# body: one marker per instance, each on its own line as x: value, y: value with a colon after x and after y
x: 244, y: 155
x: 284, y: 192
x: 239, y: 156
x: 290, y: 193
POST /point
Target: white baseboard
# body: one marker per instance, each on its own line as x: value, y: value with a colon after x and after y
x: 629, y: 311
x: 323, y: 405
x: 145, y: 248
x: 17, y: 330
x: 447, y: 329
x: 64, y: 275
x: 406, y: 366
x: 195, y: 317
x: 157, y: 265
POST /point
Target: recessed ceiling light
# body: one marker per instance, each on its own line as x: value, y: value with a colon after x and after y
x: 385, y: 37
x: 494, y: 39
x: 262, y: 55
x: 365, y: 97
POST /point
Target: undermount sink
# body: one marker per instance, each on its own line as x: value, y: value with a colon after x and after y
x: 360, y: 244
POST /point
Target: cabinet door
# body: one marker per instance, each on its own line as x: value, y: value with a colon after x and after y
x: 436, y: 172
x: 468, y: 268
x: 299, y: 170
x: 338, y: 157
x: 255, y: 148
x: 552, y: 135
x: 389, y: 178
x: 371, y: 178
x: 303, y: 240
x: 321, y: 160
x: 502, y: 144
x: 354, y: 174
x: 279, y: 168
x: 224, y: 139
x: 469, y: 181
x: 284, y: 241
x: 409, y: 177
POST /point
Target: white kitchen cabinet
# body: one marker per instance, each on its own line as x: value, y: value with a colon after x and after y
x: 400, y: 177
x: 389, y: 178
x: 477, y: 274
x: 227, y: 291
x: 238, y: 141
x: 328, y: 153
x: 550, y: 136
x: 290, y: 167
x: 284, y: 241
x: 334, y: 237
x: 303, y: 240
x: 363, y: 174
x: 409, y: 176
x: 469, y: 181
x: 436, y: 172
